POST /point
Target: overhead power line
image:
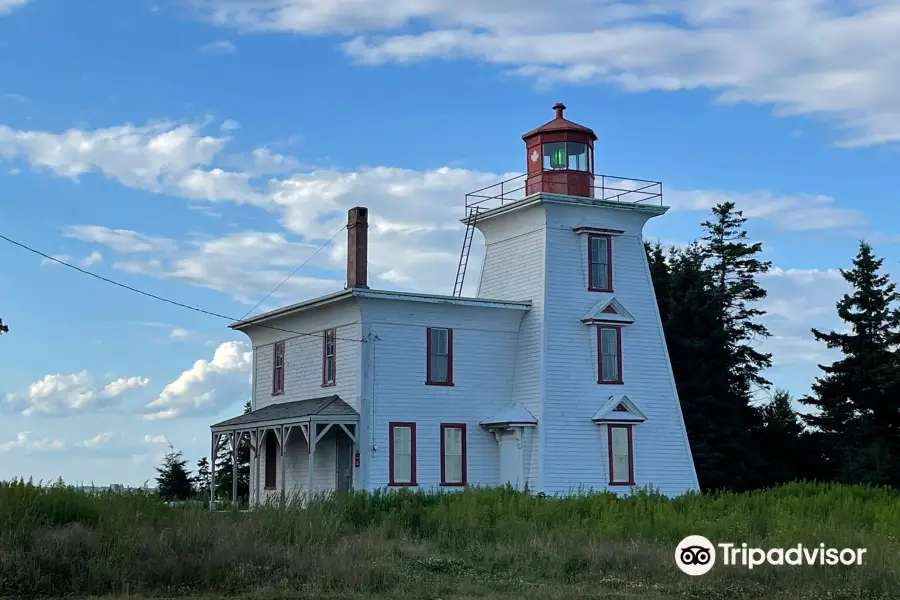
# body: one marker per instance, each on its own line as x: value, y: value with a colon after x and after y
x: 303, y: 264
x: 167, y: 300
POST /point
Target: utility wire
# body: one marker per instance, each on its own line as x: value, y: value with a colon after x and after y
x: 303, y: 264
x: 160, y: 298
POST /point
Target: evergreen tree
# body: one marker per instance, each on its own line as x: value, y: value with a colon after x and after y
x: 244, y: 461
x: 224, y: 470
x: 201, y: 481
x: 174, y: 479
x: 659, y: 276
x: 785, y: 449
x: 858, y: 396
x: 224, y: 467
x: 735, y: 267
x: 697, y: 344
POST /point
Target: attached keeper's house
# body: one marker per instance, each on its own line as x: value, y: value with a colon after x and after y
x: 555, y: 377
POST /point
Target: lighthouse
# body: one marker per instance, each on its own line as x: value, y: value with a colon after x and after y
x: 591, y: 364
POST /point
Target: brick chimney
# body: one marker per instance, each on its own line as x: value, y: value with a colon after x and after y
x: 357, y: 247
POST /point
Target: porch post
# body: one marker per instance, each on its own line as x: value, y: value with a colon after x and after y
x: 256, y: 483
x: 234, y: 467
x: 212, y: 473
x: 312, y: 454
x: 251, y: 483
x: 283, y: 480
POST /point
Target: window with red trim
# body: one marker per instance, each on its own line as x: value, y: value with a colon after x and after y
x: 621, y: 454
x: 402, y: 447
x: 599, y: 263
x: 329, y: 363
x: 278, y: 369
x: 609, y: 354
x: 439, y: 356
x: 453, y: 454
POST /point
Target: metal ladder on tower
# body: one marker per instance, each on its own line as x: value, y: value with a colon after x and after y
x: 464, y: 254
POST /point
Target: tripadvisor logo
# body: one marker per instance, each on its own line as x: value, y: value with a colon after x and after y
x: 696, y: 555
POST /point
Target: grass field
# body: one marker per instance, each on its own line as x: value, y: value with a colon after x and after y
x: 58, y: 542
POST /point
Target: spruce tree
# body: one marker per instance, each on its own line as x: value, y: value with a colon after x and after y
x: 224, y: 468
x: 201, y: 481
x: 735, y: 265
x: 697, y: 345
x: 784, y: 448
x: 173, y: 479
x: 659, y: 276
x: 858, y: 396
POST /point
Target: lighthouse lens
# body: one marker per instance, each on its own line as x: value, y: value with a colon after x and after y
x: 554, y: 155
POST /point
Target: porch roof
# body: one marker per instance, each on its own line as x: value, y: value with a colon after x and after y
x: 327, y: 406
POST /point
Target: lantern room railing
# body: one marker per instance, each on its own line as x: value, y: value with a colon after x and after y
x: 610, y: 189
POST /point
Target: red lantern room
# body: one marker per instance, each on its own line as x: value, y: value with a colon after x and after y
x: 560, y: 156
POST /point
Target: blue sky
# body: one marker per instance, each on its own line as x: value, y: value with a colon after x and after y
x: 202, y: 149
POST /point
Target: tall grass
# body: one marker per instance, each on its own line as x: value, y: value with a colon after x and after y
x: 477, y: 543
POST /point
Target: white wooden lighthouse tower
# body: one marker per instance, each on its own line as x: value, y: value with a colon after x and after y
x: 592, y: 364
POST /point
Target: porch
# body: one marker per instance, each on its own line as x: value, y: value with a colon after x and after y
x: 296, y: 448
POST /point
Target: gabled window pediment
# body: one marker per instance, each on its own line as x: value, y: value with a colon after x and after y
x: 608, y: 310
x: 619, y: 409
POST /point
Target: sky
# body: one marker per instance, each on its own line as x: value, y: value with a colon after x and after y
x: 202, y: 150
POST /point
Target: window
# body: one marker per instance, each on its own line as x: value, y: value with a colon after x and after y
x: 599, y: 263
x: 609, y: 354
x: 403, y: 453
x: 271, y: 459
x: 453, y: 454
x: 278, y: 369
x: 621, y: 455
x: 329, y: 366
x: 439, y: 368
x: 577, y: 156
x: 573, y: 156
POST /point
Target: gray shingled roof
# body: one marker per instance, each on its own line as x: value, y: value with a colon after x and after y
x: 326, y: 406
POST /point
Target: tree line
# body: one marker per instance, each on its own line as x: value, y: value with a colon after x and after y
x: 708, y: 294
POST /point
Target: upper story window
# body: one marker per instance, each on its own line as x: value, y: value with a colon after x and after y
x: 621, y: 454
x: 278, y: 369
x: 609, y: 354
x: 329, y: 363
x: 599, y: 263
x: 572, y: 156
x: 439, y: 350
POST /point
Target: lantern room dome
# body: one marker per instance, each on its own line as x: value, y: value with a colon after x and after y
x: 560, y: 124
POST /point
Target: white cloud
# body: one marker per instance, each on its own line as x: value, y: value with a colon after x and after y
x: 798, y: 300
x: 94, y: 258
x: 150, y: 157
x: 24, y: 442
x: 90, y: 260
x: 196, y: 391
x: 219, y: 47
x: 156, y: 439
x: 121, y: 240
x: 229, y: 125
x: 8, y: 5
x: 64, y: 394
x: 179, y: 333
x: 743, y: 50
x: 789, y: 212
x: 98, y: 440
